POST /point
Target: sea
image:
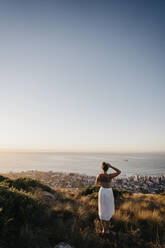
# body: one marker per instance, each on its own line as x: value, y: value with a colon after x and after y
x: 130, y: 164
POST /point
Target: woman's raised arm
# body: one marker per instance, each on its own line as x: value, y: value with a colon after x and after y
x: 114, y: 174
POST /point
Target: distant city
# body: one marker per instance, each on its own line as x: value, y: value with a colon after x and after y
x: 136, y: 184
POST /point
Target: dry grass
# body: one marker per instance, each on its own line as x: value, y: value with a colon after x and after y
x: 72, y: 216
x: 149, y: 215
x: 135, y: 218
x: 121, y: 216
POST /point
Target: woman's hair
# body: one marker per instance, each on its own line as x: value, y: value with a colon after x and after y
x: 105, y: 166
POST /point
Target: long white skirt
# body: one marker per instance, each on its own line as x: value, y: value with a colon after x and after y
x: 106, y: 206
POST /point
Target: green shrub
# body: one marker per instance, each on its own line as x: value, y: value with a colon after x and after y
x: 21, y: 213
x: 25, y: 183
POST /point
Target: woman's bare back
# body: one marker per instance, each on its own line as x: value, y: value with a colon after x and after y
x: 104, y: 180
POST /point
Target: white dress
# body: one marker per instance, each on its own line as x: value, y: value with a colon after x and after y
x: 106, y: 206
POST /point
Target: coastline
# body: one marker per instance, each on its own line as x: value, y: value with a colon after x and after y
x: 135, y: 184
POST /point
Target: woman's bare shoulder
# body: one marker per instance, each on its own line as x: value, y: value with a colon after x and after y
x: 100, y: 176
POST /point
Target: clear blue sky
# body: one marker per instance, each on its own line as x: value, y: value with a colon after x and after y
x: 82, y: 75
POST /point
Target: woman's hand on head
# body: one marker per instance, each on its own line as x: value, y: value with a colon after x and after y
x: 109, y: 165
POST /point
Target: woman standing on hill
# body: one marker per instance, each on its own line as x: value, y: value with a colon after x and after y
x: 105, y: 197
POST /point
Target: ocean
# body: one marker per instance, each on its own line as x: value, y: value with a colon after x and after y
x: 83, y: 163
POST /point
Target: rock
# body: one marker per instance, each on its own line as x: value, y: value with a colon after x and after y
x: 63, y: 245
x: 48, y: 194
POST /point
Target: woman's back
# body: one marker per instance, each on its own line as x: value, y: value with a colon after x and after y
x: 105, y: 180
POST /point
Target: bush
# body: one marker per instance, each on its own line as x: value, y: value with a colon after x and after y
x: 25, y: 183
x: 21, y: 213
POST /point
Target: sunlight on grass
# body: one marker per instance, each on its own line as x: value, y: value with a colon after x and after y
x: 74, y: 216
x: 126, y: 205
x: 120, y: 216
x: 149, y: 215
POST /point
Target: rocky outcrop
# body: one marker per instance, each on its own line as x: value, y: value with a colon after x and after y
x: 63, y: 245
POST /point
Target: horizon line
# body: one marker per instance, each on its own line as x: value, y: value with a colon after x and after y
x: 75, y: 151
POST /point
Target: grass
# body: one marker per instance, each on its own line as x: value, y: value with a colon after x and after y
x: 32, y: 220
x: 138, y: 219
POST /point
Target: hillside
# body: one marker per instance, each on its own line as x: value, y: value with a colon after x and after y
x: 34, y: 215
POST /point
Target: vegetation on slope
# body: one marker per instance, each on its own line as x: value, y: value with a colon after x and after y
x: 29, y: 219
x: 138, y: 220
x: 26, y: 184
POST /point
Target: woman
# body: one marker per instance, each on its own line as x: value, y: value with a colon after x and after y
x: 105, y: 196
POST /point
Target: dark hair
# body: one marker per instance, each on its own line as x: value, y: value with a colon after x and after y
x: 105, y: 166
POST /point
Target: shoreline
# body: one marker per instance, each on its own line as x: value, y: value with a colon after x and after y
x: 135, y: 184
